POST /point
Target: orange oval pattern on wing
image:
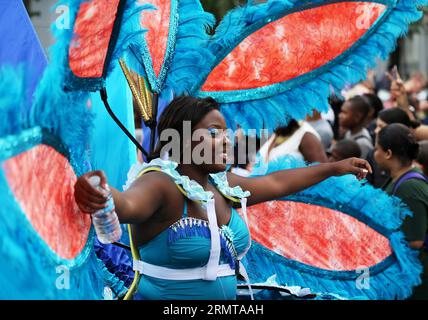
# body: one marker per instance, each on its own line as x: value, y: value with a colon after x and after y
x: 42, y: 181
x: 293, y: 45
x: 317, y: 236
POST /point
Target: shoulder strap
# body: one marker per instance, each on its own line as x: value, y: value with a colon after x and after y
x: 136, y: 257
x: 235, y: 201
x: 407, y: 176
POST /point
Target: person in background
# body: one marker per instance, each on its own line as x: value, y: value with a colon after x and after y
x: 422, y: 159
x: 376, y: 106
x: 396, y: 149
x: 245, y: 151
x: 423, y: 106
x: 402, y: 101
x: 336, y: 104
x: 296, y: 139
x: 323, y: 128
x: 352, y: 119
x: 394, y: 115
x: 414, y: 86
x: 363, y: 87
x: 388, y: 116
x: 343, y: 149
x: 400, y: 97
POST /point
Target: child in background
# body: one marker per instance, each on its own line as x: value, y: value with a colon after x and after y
x: 352, y: 118
x: 343, y: 149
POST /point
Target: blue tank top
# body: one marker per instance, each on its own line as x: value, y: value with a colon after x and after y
x: 186, y: 244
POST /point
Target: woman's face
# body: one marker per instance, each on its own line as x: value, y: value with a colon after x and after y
x: 379, y: 125
x: 382, y: 157
x: 212, y: 149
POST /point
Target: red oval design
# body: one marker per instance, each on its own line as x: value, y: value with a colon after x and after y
x: 317, y: 236
x: 42, y: 181
x: 93, y: 30
x: 157, y: 22
x: 308, y: 40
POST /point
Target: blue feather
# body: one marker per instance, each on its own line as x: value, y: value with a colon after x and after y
x: 191, y: 53
x: 394, y: 278
x: 31, y: 271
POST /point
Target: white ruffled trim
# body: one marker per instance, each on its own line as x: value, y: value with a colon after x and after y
x: 222, y: 184
x: 193, y: 189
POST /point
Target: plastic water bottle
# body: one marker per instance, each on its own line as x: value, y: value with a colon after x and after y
x: 106, y: 222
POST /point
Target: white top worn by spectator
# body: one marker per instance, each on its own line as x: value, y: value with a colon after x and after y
x: 363, y: 139
x: 288, y: 147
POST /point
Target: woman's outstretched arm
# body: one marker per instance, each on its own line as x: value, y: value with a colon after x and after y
x: 286, y: 182
x: 136, y: 205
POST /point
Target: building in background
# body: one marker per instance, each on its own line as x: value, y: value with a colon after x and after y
x: 414, y: 50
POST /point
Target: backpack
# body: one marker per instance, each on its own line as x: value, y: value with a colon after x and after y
x: 407, y: 176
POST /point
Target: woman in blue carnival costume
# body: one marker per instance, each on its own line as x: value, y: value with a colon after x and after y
x: 173, y: 234
x: 191, y: 249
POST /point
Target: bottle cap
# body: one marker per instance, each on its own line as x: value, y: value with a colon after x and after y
x: 95, y: 181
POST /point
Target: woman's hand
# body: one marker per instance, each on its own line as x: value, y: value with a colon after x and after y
x: 356, y: 166
x: 88, y: 198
